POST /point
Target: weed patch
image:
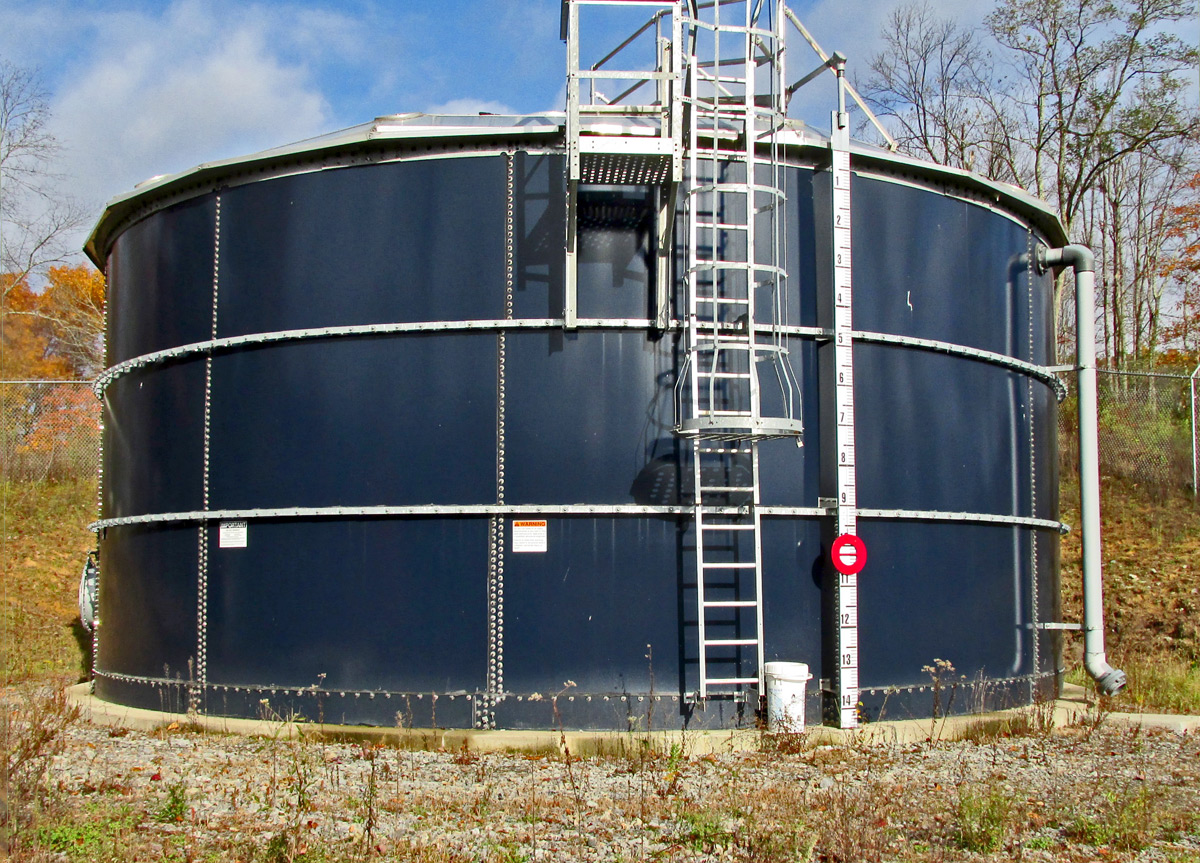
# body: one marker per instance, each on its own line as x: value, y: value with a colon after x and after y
x: 982, y: 817
x: 1125, y: 820
x: 175, y: 807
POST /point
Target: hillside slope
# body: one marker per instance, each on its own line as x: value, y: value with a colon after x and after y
x: 45, y: 544
x: 1151, y: 545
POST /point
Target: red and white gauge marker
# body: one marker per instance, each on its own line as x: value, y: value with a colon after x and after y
x: 849, y: 554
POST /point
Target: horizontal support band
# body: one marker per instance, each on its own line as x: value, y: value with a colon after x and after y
x: 506, y: 696
x: 984, y: 683
x: 106, y: 377
x: 109, y: 375
x: 1042, y: 373
x: 974, y: 517
x: 570, y: 509
x: 278, y: 689
x: 427, y: 510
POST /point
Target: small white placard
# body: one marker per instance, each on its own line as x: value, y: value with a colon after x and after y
x: 233, y: 534
x: 528, y: 535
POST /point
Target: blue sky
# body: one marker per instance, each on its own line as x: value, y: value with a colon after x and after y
x: 144, y: 88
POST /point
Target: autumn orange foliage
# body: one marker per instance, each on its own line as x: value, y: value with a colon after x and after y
x: 53, y: 334
x: 24, y: 351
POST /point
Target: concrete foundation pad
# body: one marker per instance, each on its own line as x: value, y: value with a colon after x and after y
x: 1071, y: 709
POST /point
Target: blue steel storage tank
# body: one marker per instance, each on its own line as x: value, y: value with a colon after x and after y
x: 340, y: 391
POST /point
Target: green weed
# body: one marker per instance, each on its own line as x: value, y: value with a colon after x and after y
x: 1122, y: 820
x: 982, y: 818
x: 703, y: 831
x: 91, y: 836
x: 175, y: 807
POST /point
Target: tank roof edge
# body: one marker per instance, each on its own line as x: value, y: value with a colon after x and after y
x: 388, y: 130
x: 382, y: 132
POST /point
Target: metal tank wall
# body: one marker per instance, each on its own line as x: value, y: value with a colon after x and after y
x: 426, y: 619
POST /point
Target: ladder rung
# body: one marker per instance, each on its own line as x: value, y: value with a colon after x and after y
x: 724, y: 450
x: 705, y: 156
x: 709, y: 110
x: 707, y: 526
x: 727, y: 337
x: 729, y: 565
x: 724, y: 301
x: 726, y: 413
x: 729, y: 642
x: 730, y: 603
x: 722, y: 226
x: 724, y: 188
x: 723, y: 375
x: 726, y: 488
x: 728, y: 681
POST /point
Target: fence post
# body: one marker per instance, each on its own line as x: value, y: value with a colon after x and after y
x: 1192, y: 394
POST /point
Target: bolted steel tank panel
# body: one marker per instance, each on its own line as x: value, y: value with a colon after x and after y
x: 339, y: 376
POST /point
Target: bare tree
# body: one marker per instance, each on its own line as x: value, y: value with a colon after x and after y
x: 35, y: 217
x: 1092, y: 82
x: 1080, y: 101
x: 929, y: 81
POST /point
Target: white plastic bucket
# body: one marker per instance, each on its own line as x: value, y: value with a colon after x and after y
x: 786, y: 683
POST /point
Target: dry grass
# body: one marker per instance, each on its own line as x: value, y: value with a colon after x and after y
x: 1122, y: 792
x: 1151, y: 554
x: 43, y: 547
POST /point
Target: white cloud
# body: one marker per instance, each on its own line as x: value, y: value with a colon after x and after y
x: 166, y: 93
x: 143, y: 88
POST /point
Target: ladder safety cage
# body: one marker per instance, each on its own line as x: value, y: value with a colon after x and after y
x: 736, y: 292
x: 710, y: 133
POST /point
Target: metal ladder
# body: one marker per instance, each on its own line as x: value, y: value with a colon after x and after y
x: 710, y: 57
x: 734, y: 203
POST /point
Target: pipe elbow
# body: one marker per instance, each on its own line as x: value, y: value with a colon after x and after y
x: 1075, y: 255
x: 1109, y: 680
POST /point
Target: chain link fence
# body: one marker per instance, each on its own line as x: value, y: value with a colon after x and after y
x: 1147, y: 428
x: 48, y: 430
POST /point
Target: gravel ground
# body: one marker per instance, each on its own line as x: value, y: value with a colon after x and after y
x: 1083, y: 793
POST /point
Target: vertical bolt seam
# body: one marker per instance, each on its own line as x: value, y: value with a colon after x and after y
x: 200, y: 673
x: 99, y: 496
x: 495, y: 673
x: 1033, y: 503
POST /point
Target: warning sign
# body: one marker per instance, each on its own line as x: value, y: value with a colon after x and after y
x: 233, y: 534
x: 849, y: 554
x: 529, y: 535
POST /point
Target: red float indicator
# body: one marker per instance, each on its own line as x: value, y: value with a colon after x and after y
x: 849, y: 554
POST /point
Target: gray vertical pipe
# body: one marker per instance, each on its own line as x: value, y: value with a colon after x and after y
x: 1109, y: 680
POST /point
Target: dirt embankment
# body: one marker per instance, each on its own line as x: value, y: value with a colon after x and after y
x: 1151, y: 553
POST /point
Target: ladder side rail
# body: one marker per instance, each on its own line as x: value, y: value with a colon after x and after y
x: 574, y: 171
x: 698, y: 521
x: 750, y: 150
x: 573, y: 128
x: 692, y: 272
x: 759, y: 629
